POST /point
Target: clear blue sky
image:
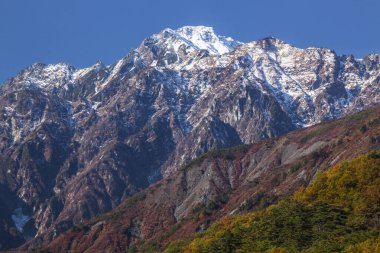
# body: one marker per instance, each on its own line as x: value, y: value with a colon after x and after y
x: 80, y: 32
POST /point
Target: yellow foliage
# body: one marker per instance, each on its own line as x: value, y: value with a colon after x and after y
x: 340, y: 208
x: 369, y: 246
x: 277, y: 250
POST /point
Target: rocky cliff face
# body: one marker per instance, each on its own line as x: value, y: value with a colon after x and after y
x: 222, y: 183
x: 76, y: 142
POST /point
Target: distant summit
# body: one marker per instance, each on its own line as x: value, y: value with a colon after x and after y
x: 74, y: 143
x: 205, y: 38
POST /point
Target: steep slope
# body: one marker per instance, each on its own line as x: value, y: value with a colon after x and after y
x: 77, y: 142
x: 339, y: 209
x: 222, y: 183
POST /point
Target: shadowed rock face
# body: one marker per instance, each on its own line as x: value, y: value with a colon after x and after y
x: 74, y: 143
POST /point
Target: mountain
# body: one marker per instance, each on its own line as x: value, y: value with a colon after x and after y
x: 226, y: 183
x: 338, y: 212
x: 75, y: 143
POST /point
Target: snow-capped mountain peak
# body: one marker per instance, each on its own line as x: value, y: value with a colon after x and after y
x: 199, y: 38
x: 179, y: 47
x: 178, y: 95
x: 205, y: 38
x: 46, y: 76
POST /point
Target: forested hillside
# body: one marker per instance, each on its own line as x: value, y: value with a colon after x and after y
x: 339, y: 212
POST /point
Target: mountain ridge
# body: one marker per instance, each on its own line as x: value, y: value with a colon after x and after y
x: 223, y: 183
x: 76, y: 143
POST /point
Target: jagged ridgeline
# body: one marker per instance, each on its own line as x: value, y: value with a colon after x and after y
x: 338, y: 212
x: 75, y: 143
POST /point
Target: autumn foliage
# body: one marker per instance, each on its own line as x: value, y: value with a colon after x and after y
x: 338, y: 212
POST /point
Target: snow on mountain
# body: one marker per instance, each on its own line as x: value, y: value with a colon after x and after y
x: 47, y: 76
x: 205, y: 38
x: 20, y: 219
x: 92, y: 137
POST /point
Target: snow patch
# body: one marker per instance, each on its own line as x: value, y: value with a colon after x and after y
x: 204, y: 38
x: 19, y: 219
x: 50, y: 76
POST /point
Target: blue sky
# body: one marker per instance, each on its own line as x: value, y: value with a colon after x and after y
x: 80, y: 32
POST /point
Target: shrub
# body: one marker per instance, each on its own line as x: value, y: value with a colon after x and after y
x: 295, y: 168
x: 251, y: 202
x: 175, y: 246
x: 363, y: 128
x: 374, y: 122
